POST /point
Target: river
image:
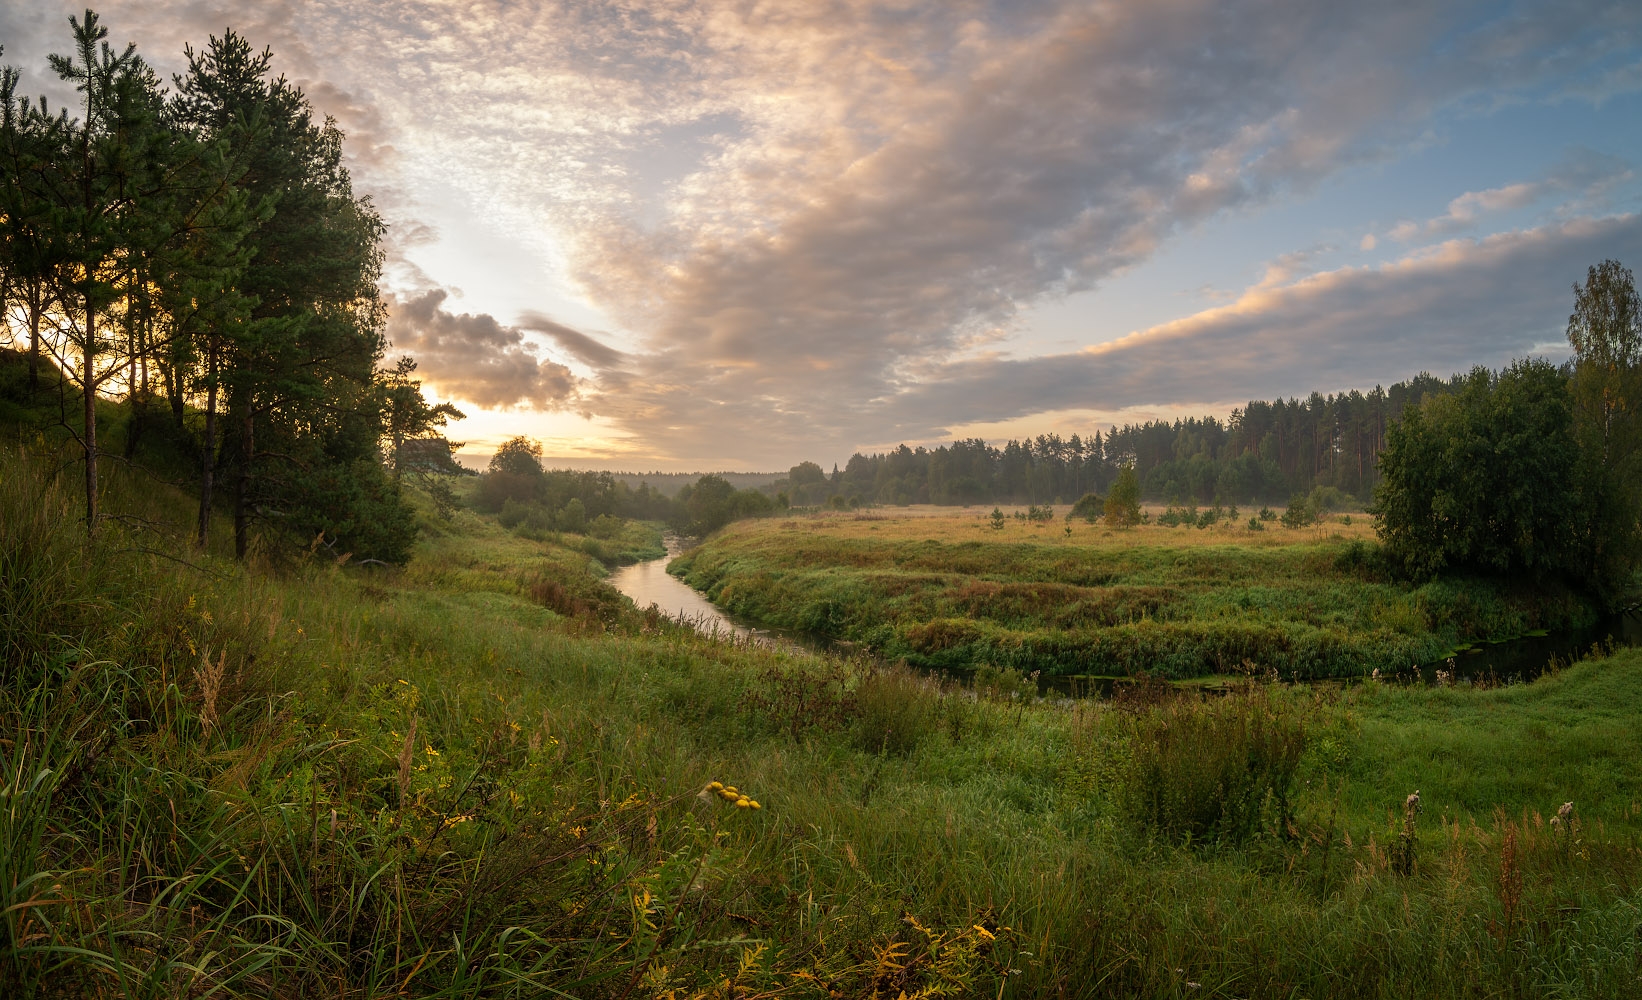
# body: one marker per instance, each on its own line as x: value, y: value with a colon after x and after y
x: 649, y: 583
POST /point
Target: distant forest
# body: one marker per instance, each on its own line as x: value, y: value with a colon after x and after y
x: 668, y: 484
x: 1266, y: 451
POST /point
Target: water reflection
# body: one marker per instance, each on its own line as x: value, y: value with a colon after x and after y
x: 648, y: 583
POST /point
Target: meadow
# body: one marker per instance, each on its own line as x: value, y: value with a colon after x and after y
x: 454, y: 780
x: 952, y: 591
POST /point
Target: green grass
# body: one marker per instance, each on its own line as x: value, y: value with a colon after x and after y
x: 951, y: 592
x: 276, y: 831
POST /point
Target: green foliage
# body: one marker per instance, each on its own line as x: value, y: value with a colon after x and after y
x: 1299, y: 513
x: 1605, y: 331
x: 1090, y: 507
x: 712, y: 503
x: 518, y: 456
x: 1324, y: 500
x: 997, y: 519
x: 1005, y: 683
x: 1123, y: 502
x: 207, y: 249
x: 894, y: 712
x: 573, y: 516
x: 1221, y: 770
x: 1480, y: 480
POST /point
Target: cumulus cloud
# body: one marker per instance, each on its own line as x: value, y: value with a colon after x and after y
x: 474, y: 357
x: 1442, y: 309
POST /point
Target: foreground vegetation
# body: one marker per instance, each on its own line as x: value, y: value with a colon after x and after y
x: 458, y: 780
x: 955, y: 591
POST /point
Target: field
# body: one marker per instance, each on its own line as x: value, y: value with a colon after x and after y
x: 485, y: 776
x: 952, y: 591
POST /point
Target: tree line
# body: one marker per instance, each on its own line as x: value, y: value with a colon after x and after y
x: 1264, y: 452
x: 198, y: 256
x: 520, y: 491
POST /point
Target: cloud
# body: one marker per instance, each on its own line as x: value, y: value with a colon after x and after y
x: 862, y: 230
x: 475, y: 358
x: 1583, y: 176
x: 575, y: 343
x: 1443, y: 309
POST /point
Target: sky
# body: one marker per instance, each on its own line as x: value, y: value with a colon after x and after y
x: 664, y: 235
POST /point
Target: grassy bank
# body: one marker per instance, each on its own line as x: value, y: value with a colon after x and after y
x: 952, y: 591
x: 446, y: 781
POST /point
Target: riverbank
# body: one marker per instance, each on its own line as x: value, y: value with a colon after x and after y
x: 446, y: 781
x: 953, y: 592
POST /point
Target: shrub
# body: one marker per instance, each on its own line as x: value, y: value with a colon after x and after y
x: 1206, y: 771
x: 895, y: 710
x: 1123, y: 503
x: 1089, y: 507
x: 1005, y: 683
x: 1299, y: 513
x: 606, y: 527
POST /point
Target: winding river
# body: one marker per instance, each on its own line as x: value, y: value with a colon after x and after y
x: 649, y: 583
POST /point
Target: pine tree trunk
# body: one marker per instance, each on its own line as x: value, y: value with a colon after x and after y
x: 208, y: 450
x: 89, y: 386
x: 242, y: 487
x: 173, y: 394
x: 35, y: 309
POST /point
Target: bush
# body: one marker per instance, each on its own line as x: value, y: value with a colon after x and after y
x: 512, y: 513
x: 1207, y: 771
x: 1005, y: 683
x: 1123, y: 503
x: 1299, y: 513
x: 1090, y: 506
x: 895, y: 710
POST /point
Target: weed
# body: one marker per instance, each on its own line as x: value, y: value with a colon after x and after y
x: 1221, y: 770
x: 1404, y: 857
